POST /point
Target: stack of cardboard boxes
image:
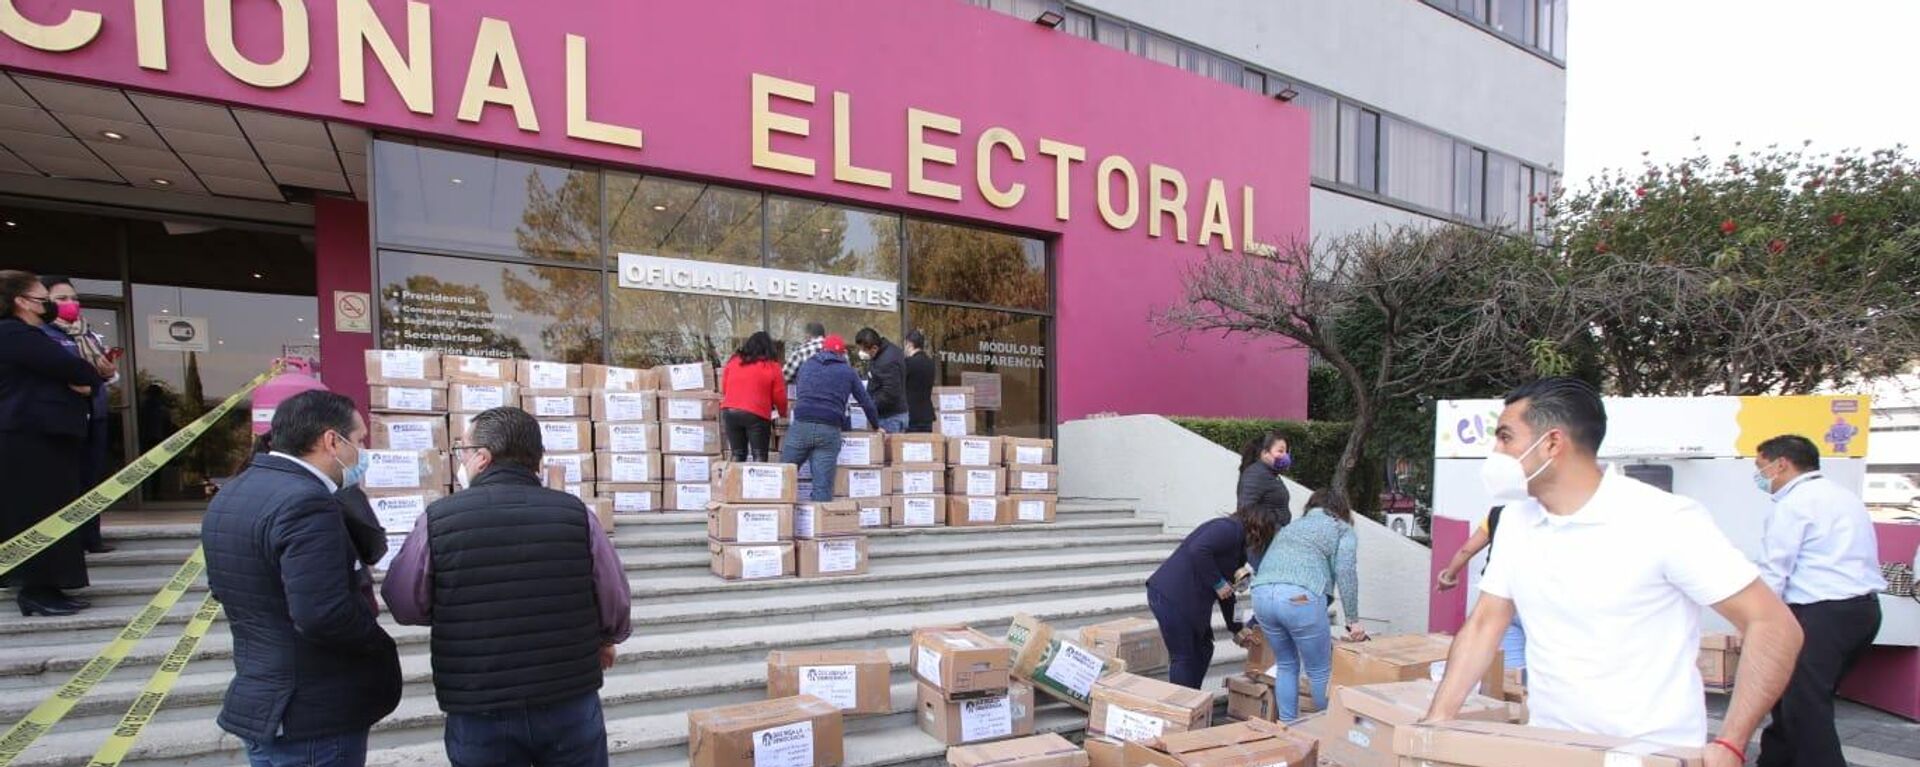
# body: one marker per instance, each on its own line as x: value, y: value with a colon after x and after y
x: 690, y: 441
x: 750, y: 524
x: 407, y: 439
x: 917, y: 475
x: 965, y: 691
x: 957, y: 413
x: 627, y: 463
x: 1719, y: 661
x: 1382, y: 659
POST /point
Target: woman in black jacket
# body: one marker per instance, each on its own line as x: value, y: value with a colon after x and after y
x: 1260, y: 483
x: 44, y: 410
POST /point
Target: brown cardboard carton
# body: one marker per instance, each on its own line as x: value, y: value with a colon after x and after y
x: 874, y: 512
x: 957, y: 424
x: 831, y: 519
x: 576, y: 467
x: 500, y: 369
x: 620, y: 437
x: 396, y: 431
x: 689, y: 406
x: 1022, y: 451
x: 691, y: 468
x: 916, y: 448
x: 954, y: 722
x: 625, y: 406
x: 536, y: 374
x: 1515, y: 686
x: 602, y: 509
x: 1250, y: 698
x: 1366, y: 717
x: 617, y: 378
x: 458, y: 424
x: 750, y: 522
x: 832, y: 557
x: 974, y: 451
x: 801, y: 729
x: 1403, y: 658
x: 693, y: 376
x: 690, y: 437
x: 398, y: 510
x: 862, y: 449
x: 1054, y: 664
x: 1105, y: 753
x: 1459, y: 744
x: 953, y: 399
x: 557, y: 403
x: 962, y: 664
x: 919, y: 511
x: 406, y: 470
x: 861, y: 482
x: 1049, y: 750
x: 976, y: 481
x: 581, y: 490
x: 478, y: 397
x: 571, y: 435
x: 1032, y: 509
x: 629, y: 497
x: 1259, y: 656
x: 627, y: 468
x: 686, y: 496
x: 854, y: 681
x: 751, y: 561
x: 968, y: 511
x: 918, y: 479
x: 1719, y: 660
x: 1132, y: 708
x: 1232, y: 745
x: 403, y: 365
x: 1136, y: 641
x: 408, y: 397
x: 753, y: 483
x: 1033, y: 479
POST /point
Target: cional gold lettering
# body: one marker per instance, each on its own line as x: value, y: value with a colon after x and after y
x: 1064, y: 156
x: 578, y: 124
x: 72, y: 32
x: 1111, y: 164
x: 150, y: 34
x: 983, y: 167
x: 493, y: 48
x: 360, y: 30
x: 295, y: 52
x: 766, y: 122
x: 1214, y: 219
x: 843, y: 167
x: 919, y: 153
x: 1246, y: 217
x: 1159, y: 177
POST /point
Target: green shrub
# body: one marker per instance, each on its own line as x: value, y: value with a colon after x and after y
x: 1316, y: 447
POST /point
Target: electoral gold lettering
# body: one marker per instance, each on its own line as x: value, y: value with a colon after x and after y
x: 983, y: 166
x: 578, y: 124
x: 1159, y: 177
x: 1116, y: 164
x: 71, y: 33
x: 919, y: 153
x: 1064, y: 156
x: 295, y: 52
x: 150, y: 34
x: 1246, y: 216
x: 493, y: 49
x: 411, y: 74
x: 766, y: 122
x: 1214, y: 219
x: 843, y: 167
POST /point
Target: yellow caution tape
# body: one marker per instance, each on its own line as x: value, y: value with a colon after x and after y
x: 53, y: 709
x: 158, y: 685
x: 62, y: 523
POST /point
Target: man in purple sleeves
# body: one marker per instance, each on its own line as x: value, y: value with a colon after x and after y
x: 526, y: 597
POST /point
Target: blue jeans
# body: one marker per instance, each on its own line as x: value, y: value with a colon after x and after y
x: 818, y: 446
x: 343, y: 750
x: 1295, y: 623
x: 894, y: 424
x: 1513, y: 645
x: 571, y: 733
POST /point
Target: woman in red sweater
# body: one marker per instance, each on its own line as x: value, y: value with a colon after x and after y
x: 752, y: 392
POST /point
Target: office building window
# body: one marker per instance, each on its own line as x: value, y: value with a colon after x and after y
x: 1503, y: 192
x: 1254, y: 80
x: 1110, y: 33
x: 1470, y: 183
x: 447, y: 199
x: 1360, y: 147
x: 1325, y: 141
x: 1079, y: 24
x: 1420, y: 170
x: 1156, y: 47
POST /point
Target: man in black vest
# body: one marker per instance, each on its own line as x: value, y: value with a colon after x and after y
x: 527, y: 599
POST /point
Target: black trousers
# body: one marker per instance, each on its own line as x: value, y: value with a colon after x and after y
x: 1187, y: 628
x: 1802, y: 732
x: 748, y: 435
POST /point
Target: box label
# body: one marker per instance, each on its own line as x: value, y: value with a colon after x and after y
x: 687, y: 377
x: 475, y: 397
x: 975, y: 452
x: 982, y: 510
x: 626, y: 406
x: 683, y: 409
x: 482, y: 367
x: 858, y: 418
x: 1131, y: 726
x: 953, y: 424
x: 398, y: 513
x: 873, y: 517
x: 410, y: 435
x: 577, y: 491
x: 633, y: 500
x: 856, y: 452
x: 953, y: 402
x: 1034, y: 480
x: 395, y: 363
x: 839, y: 556
x: 758, y: 525
x: 546, y: 375
x: 684, y: 437
x: 553, y: 407
x: 623, y: 378
x: 628, y: 438
x: 916, y: 452
x: 803, y: 520
x: 693, y: 468
x: 1033, y: 511
x: 692, y: 497
x: 763, y: 483
x: 837, y: 685
x: 916, y: 483
x: 981, y: 482
x: 392, y: 469
x: 631, y: 468
x: 409, y: 398
x: 787, y: 746
x: 919, y: 511
x: 1026, y: 454
x: 863, y: 483
x: 986, y: 718
x: 927, y: 664
x: 762, y: 562
x: 1076, y: 670
x: 572, y: 464
x: 1358, y: 738
x: 560, y: 437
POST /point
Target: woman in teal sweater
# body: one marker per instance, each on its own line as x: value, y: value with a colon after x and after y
x: 1305, y: 562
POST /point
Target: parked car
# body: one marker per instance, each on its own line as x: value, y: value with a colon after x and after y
x: 1891, y: 490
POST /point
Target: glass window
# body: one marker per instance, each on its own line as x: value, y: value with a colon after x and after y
x: 787, y: 323
x: 489, y: 308
x: 1470, y: 183
x: 1254, y: 80
x: 1079, y: 24
x: 1422, y: 165
x: 1503, y: 191
x: 813, y: 236
x: 1510, y: 17
x: 76, y: 245
x: 1326, y: 136
x: 979, y: 341
x: 653, y: 327
x: 446, y: 199
x: 1157, y: 48
x: 1472, y: 9
x: 1110, y: 33
x: 216, y: 257
x: 1360, y: 147
x: 976, y: 266
x: 655, y: 216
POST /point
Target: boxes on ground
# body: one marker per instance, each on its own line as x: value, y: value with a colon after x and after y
x: 1134, y: 641
x: 1033, y: 509
x: 406, y: 470
x: 1055, y: 665
x: 976, y: 481
x: 754, y: 483
x: 918, y: 479
x: 576, y: 467
x: 962, y: 663
x: 799, y: 730
x: 919, y: 511
x: 628, y: 467
x: 631, y: 496
x: 614, y: 378
x: 1232, y: 745
x: 862, y: 449
x: 1251, y: 697
x: 396, y: 431
x: 608, y: 406
x: 693, y: 376
x: 690, y: 468
x: 1403, y: 658
x: 535, y: 374
x: 690, y: 437
x: 1102, y: 752
x: 750, y: 522
x: 500, y: 369
x: 617, y: 437
x: 954, y: 722
x: 1515, y: 686
x: 398, y: 396
x: 874, y: 512
x: 974, y: 451
x: 557, y: 403
x: 953, y: 399
x: 971, y: 511
x: 1134, y: 708
x: 854, y: 681
x: 829, y: 519
x: 1022, y: 451
x: 1033, y: 479
x: 686, y: 496
x: 916, y: 449
x: 1455, y: 744
x: 957, y: 424
x: 689, y: 406
x: 567, y: 435
x: 402, y: 365
x: 750, y: 561
x: 1049, y: 750
x: 481, y: 396
x: 1719, y: 660
x: 1360, y: 722
x: 832, y: 557
x: 861, y: 482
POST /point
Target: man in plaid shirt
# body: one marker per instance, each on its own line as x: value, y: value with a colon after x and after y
x: 816, y: 334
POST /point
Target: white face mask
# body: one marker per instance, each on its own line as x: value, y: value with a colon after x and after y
x: 1505, y: 477
x: 464, y: 477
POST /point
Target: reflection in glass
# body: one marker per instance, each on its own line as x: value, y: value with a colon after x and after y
x: 1014, y: 346
x: 654, y: 216
x: 466, y: 201
x: 957, y: 263
x: 787, y: 323
x: 658, y: 328
x: 488, y: 308
x: 823, y: 238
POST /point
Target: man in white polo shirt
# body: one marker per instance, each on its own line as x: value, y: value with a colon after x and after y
x: 1608, y: 574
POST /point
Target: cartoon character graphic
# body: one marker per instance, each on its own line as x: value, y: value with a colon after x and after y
x: 1839, y: 434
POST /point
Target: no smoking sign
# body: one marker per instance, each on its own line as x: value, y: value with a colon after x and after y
x: 352, y: 312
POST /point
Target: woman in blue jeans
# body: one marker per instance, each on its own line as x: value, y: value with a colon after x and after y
x: 1306, y: 560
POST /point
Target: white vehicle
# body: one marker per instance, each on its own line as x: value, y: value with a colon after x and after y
x: 1891, y: 490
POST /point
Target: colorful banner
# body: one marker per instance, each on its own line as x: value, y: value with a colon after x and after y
x: 1680, y: 427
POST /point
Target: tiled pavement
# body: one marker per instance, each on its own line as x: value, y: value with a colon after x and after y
x: 1871, y: 738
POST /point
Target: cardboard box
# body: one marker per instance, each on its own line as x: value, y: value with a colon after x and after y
x: 800, y: 730
x: 1132, y: 708
x: 1055, y: 665
x: 1401, y: 659
x: 625, y: 406
x: 974, y: 451
x: 1136, y: 641
x: 602, y: 509
x: 976, y: 481
x: 627, y: 468
x: 631, y: 497
x: 402, y: 365
x: 861, y: 482
x: 1033, y: 479
x: 751, y: 482
x: 916, y: 449
x: 477, y: 397
x: 692, y: 468
x: 970, y: 511
x: 1105, y: 753
x: 693, y: 376
x: 956, y: 722
x: 571, y: 435
x: 1365, y: 718
x: 862, y: 449
x: 689, y: 406
x: 457, y: 367
x: 614, y: 378
x: 578, y: 467
x: 832, y: 557
x: 627, y: 437
x: 1515, y: 686
x: 854, y: 681
x: 690, y: 437
x: 398, y: 510
x: 408, y: 397
x: 458, y: 424
x: 535, y: 374
x: 1023, y: 451
x: 873, y: 512
x: 919, y: 511
x: 686, y: 496
x: 1251, y: 698
x: 557, y: 403
x: 1233, y: 745
x: 397, y: 431
x: 1477, y: 743
x: 1049, y: 750
x: 750, y: 523
x: 750, y: 561
x: 957, y: 424
x: 1033, y: 509
x: 406, y: 470
x: 831, y: 519
x: 1260, y: 657
x: 1719, y: 660
x: 962, y: 663
x: 918, y: 479
x: 953, y: 399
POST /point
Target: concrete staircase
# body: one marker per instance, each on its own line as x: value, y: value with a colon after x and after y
x: 697, y: 642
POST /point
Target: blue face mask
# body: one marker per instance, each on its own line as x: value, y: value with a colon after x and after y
x: 352, y: 475
x: 1283, y: 462
x: 1760, y: 481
